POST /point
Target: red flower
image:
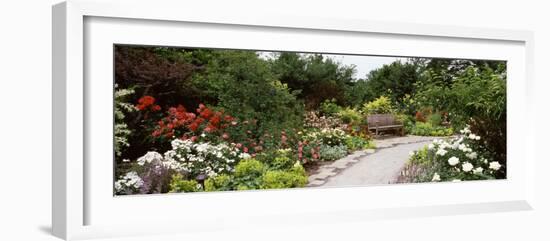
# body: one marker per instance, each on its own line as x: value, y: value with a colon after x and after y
x: 156, y: 108
x: 206, y: 113
x: 420, y: 117
x: 199, y: 120
x: 215, y: 120
x: 193, y: 126
x: 145, y: 101
x: 201, y: 107
x: 225, y: 136
x: 210, y: 128
x: 194, y: 138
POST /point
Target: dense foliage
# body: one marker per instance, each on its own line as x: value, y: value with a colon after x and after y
x: 193, y: 120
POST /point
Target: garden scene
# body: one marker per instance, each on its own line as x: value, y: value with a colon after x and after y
x: 202, y: 120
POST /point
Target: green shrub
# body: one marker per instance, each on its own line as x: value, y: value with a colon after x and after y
x: 248, y: 174
x: 221, y: 182
x: 427, y: 129
x: 330, y: 153
x: 382, y: 105
x: 330, y: 108
x: 420, y: 157
x: 350, y: 115
x: 435, y: 119
x: 407, y: 120
x: 178, y: 184
x: 279, y: 159
x: 293, y: 177
x: 357, y: 143
x: 283, y: 179
x: 281, y: 163
x: 243, y: 84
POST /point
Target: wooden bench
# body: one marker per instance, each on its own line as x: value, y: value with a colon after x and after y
x: 384, y: 122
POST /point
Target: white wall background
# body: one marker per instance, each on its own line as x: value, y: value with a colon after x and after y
x: 25, y: 119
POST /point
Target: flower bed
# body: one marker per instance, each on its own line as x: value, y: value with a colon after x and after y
x: 213, y: 151
x: 453, y: 159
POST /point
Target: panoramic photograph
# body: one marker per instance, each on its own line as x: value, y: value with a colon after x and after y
x: 204, y: 120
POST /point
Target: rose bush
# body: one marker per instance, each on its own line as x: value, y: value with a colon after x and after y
x: 454, y: 159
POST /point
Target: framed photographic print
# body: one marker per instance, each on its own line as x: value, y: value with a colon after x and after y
x: 167, y: 122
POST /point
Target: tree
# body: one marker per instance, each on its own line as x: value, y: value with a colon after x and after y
x: 395, y: 80
x: 149, y: 72
x: 316, y: 77
x: 242, y: 84
x: 476, y: 96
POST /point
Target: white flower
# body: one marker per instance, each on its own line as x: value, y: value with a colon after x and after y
x: 411, y: 153
x: 453, y: 161
x: 441, y: 152
x: 466, y: 130
x: 478, y: 170
x: 494, y: 165
x: 125, y: 160
x: 130, y: 180
x: 461, y: 147
x: 151, y: 156
x: 436, y: 178
x: 472, y: 136
x: 177, y: 143
x: 118, y: 186
x: 478, y: 138
x: 467, y: 166
x: 203, y: 147
x: 431, y: 146
x: 472, y: 155
x: 203, y: 135
x: 445, y: 145
x: 244, y: 156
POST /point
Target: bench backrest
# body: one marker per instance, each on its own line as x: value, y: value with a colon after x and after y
x: 382, y: 120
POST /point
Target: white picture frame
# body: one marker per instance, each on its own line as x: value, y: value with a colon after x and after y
x: 83, y: 209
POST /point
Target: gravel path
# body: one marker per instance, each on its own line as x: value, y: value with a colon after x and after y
x: 381, y: 167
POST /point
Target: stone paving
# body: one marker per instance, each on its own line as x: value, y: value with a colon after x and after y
x: 336, y: 173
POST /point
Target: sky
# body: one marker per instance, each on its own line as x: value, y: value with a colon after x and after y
x: 363, y: 63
